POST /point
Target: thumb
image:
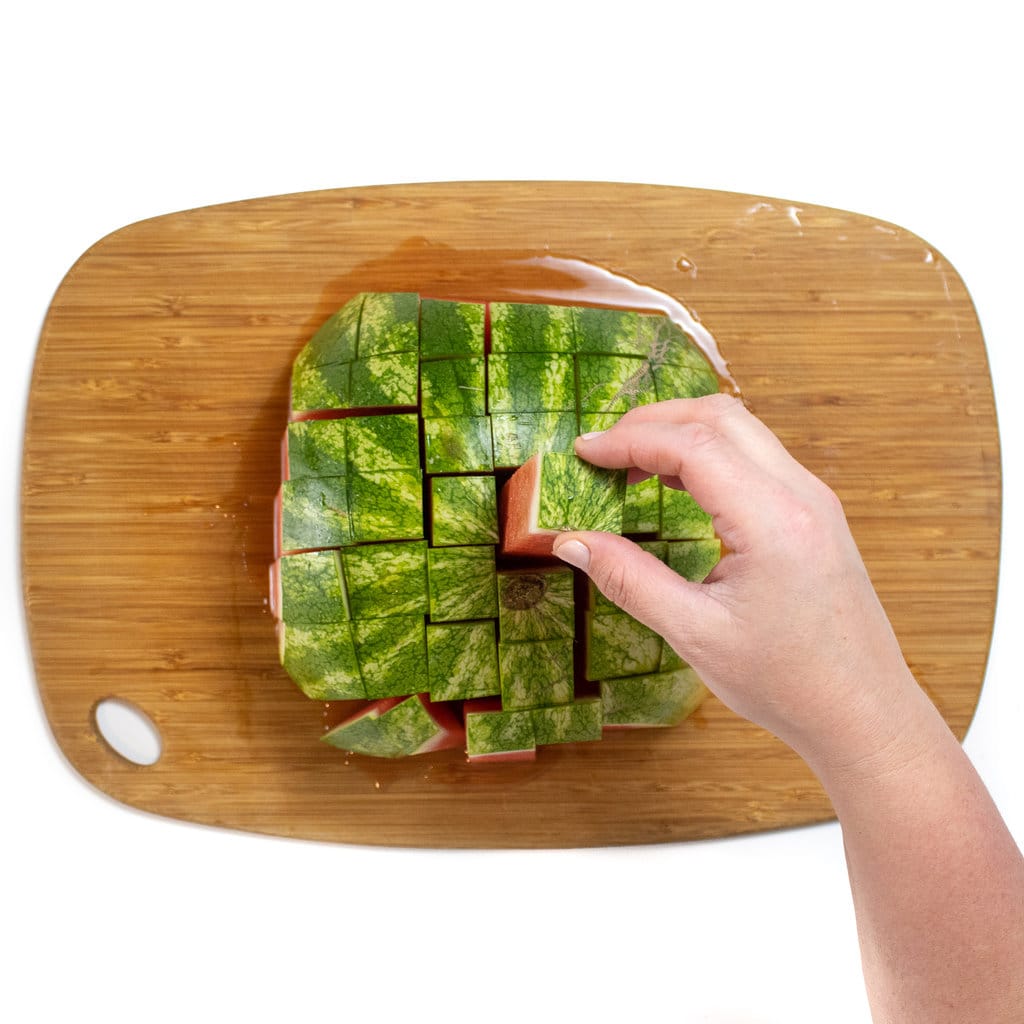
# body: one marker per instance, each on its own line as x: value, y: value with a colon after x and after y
x: 642, y: 585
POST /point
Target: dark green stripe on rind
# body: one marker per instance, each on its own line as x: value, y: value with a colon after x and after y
x: 312, y: 589
x: 613, y: 383
x: 314, y: 513
x: 392, y: 655
x: 463, y: 583
x: 322, y: 660
x: 453, y: 387
x: 682, y: 518
x: 529, y: 382
x: 316, y: 448
x: 450, y: 329
x: 315, y: 388
x: 499, y: 732
x: 517, y: 436
x: 535, y: 674
x: 386, y: 506
x: 390, y: 322
x: 578, y: 722
x: 574, y: 495
x: 387, y: 380
x: 619, y: 645
x: 461, y: 444
x: 659, y: 699
x: 376, y: 443
x: 386, y: 579
x: 536, y: 605
x: 462, y: 660
x: 531, y: 327
x: 335, y: 340
x: 464, y: 510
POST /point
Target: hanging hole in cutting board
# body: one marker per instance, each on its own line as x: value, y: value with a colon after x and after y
x: 128, y: 731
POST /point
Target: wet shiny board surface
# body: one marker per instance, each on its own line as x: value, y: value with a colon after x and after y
x: 151, y: 462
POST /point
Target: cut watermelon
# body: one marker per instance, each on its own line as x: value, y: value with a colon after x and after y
x: 613, y: 384
x: 531, y: 382
x: 461, y: 444
x: 385, y: 506
x: 462, y: 660
x: 314, y: 514
x: 536, y: 605
x: 496, y: 735
x: 682, y: 518
x: 374, y: 444
x: 315, y: 448
x: 660, y: 699
x: 392, y: 654
x: 389, y: 323
x: 463, y: 584
x: 386, y: 579
x: 578, y: 722
x: 311, y: 589
x: 398, y: 727
x: 322, y: 660
x: 518, y: 435
x: 535, y: 674
x: 450, y: 329
x: 527, y: 327
x: 453, y: 387
x: 619, y: 645
x: 694, y: 559
x: 464, y: 510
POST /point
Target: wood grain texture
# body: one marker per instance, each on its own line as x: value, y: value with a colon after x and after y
x: 151, y: 461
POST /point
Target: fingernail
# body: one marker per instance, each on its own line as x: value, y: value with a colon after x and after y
x: 591, y: 435
x: 575, y: 553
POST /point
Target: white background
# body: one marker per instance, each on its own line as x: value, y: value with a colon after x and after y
x: 115, y: 112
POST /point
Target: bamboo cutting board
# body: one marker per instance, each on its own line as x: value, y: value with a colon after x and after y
x: 152, y: 457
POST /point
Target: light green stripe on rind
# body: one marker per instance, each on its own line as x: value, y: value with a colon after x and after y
x: 316, y: 448
x: 461, y: 444
x: 453, y: 387
x: 535, y: 674
x: 517, y: 436
x: 641, y: 512
x: 315, y: 388
x: 312, y: 589
x: 390, y: 322
x: 613, y: 383
x: 499, y: 732
x: 322, y: 661
x: 392, y: 655
x: 335, y: 340
x: 619, y: 645
x: 524, y: 382
x: 463, y: 583
x: 386, y: 506
x: 386, y: 380
x: 682, y: 518
x: 574, y: 495
x: 531, y: 327
x: 314, y: 513
x: 536, y: 605
x: 376, y: 443
x: 659, y: 699
x: 462, y: 660
x: 386, y: 579
x: 464, y: 510
x: 694, y: 559
x: 450, y: 329
x: 578, y: 722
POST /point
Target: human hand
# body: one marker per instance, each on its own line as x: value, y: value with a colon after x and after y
x: 787, y: 630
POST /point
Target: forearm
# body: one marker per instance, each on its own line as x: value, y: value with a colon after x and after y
x: 937, y: 880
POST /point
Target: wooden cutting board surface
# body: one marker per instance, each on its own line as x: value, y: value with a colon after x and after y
x: 152, y: 457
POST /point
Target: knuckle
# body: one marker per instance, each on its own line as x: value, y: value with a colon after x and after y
x: 615, y: 581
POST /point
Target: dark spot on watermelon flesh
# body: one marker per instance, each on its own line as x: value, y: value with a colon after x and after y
x: 522, y: 592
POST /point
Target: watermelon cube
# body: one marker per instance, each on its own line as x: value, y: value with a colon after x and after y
x: 315, y: 448
x: 518, y: 435
x: 529, y: 327
x: 386, y: 380
x: 322, y: 660
x: 578, y: 722
x: 398, y: 727
x: 611, y: 331
x: 493, y: 734
x: 453, y: 387
x: 694, y: 559
x: 376, y: 443
x: 463, y: 584
x: 462, y: 660
x: 641, y: 511
x: 613, y: 383
x: 386, y: 579
x: 464, y: 510
x: 392, y: 654
x: 316, y: 388
x: 535, y: 673
x: 687, y: 381
x: 619, y: 645
x: 593, y: 421
x: 389, y: 322
x: 554, y: 492
x: 536, y: 605
x: 314, y: 513
x: 461, y: 444
x: 682, y: 518
x: 386, y: 505
x: 311, y: 589
x: 659, y: 699
x: 450, y: 329
x: 531, y: 382
x: 335, y: 340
